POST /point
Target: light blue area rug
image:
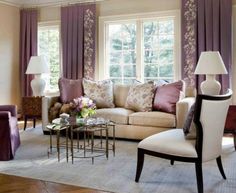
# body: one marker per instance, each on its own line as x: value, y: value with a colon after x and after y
x: 117, y: 173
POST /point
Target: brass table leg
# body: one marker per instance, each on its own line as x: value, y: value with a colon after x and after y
x: 71, y: 144
x: 107, y: 142
x: 114, y: 141
x: 58, y: 145
x: 67, y: 156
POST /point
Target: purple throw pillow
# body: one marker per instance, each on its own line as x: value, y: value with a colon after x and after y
x: 70, y: 89
x: 189, y: 120
x: 167, y: 96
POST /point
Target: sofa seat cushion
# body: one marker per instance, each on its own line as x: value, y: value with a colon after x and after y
x: 154, y: 118
x: 118, y: 115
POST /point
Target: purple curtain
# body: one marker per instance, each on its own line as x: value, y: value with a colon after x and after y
x: 28, y: 46
x: 78, y: 32
x: 206, y: 26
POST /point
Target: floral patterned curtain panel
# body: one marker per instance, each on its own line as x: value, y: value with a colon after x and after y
x: 78, y: 32
x: 206, y: 25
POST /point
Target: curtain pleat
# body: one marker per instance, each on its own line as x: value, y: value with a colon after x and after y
x: 75, y: 45
x: 28, y: 46
x: 206, y: 26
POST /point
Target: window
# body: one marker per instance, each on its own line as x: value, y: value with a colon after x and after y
x: 121, y: 53
x: 139, y: 47
x: 49, y: 46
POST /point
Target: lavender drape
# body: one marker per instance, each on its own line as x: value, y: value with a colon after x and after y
x: 206, y: 25
x: 78, y: 33
x: 28, y: 46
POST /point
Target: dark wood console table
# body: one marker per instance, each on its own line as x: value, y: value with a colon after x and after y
x: 31, y: 109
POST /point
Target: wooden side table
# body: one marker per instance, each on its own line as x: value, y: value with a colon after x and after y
x: 31, y: 109
x: 230, y: 125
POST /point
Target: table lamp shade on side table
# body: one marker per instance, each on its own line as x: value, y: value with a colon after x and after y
x: 37, y: 66
x: 210, y: 63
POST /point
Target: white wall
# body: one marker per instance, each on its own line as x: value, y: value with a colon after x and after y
x: 9, y: 55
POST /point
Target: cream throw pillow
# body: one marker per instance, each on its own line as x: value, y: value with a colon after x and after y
x: 140, y: 97
x: 101, y: 92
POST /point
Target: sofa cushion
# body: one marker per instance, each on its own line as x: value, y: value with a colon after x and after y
x: 120, y: 94
x: 70, y: 89
x: 101, y: 92
x: 140, y: 97
x: 154, y: 118
x: 167, y: 96
x: 118, y: 115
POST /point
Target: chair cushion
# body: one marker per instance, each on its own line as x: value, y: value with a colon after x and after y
x: 118, y: 115
x: 70, y: 89
x: 101, y: 92
x: 154, y: 118
x: 171, y: 142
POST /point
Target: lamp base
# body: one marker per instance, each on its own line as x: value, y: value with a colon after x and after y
x: 210, y: 86
x: 38, y: 85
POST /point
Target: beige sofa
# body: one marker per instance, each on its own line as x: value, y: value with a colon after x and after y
x: 130, y: 124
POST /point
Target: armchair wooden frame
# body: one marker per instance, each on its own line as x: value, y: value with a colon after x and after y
x: 198, y: 146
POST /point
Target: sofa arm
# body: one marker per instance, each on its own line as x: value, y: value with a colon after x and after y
x: 47, y: 103
x: 10, y: 108
x: 5, y: 115
x: 182, y: 108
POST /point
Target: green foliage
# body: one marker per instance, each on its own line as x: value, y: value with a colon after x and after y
x: 48, y: 40
x: 158, y: 57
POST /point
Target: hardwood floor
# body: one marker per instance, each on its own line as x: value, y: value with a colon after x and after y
x: 15, y: 184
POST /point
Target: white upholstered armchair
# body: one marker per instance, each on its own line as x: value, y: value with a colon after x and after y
x: 209, y: 118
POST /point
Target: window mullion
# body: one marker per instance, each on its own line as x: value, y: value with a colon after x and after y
x: 139, y: 52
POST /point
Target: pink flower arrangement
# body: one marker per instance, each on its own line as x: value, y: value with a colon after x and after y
x: 83, y: 107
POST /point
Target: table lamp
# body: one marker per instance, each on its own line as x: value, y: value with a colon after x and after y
x: 210, y: 63
x: 37, y: 66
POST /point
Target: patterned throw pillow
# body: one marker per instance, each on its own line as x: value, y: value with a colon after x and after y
x: 189, y: 126
x: 140, y: 97
x: 101, y: 92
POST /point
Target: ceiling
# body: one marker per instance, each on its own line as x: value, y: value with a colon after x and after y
x: 32, y: 3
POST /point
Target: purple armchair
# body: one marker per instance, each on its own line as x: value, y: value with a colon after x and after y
x: 9, y: 132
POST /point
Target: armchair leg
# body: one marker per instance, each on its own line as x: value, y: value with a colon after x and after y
x: 219, y: 163
x: 140, y: 160
x: 25, y: 122
x: 172, y: 162
x: 198, y: 168
x: 234, y: 141
x: 34, y: 120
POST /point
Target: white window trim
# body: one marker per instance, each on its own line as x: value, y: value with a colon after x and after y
x: 46, y: 24
x: 104, y: 20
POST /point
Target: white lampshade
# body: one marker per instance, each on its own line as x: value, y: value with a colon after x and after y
x: 210, y: 62
x: 37, y: 65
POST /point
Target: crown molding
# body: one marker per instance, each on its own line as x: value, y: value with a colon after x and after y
x: 10, y: 4
x: 49, y: 4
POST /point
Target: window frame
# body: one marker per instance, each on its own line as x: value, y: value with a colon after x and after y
x: 51, y: 24
x: 104, y: 21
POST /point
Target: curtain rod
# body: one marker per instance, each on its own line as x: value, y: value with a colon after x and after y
x: 61, y: 3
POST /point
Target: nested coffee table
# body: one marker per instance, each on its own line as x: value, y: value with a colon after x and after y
x: 88, y: 147
x: 57, y: 127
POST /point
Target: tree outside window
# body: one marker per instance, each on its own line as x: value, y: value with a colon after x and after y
x: 156, y: 50
x: 48, y: 45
